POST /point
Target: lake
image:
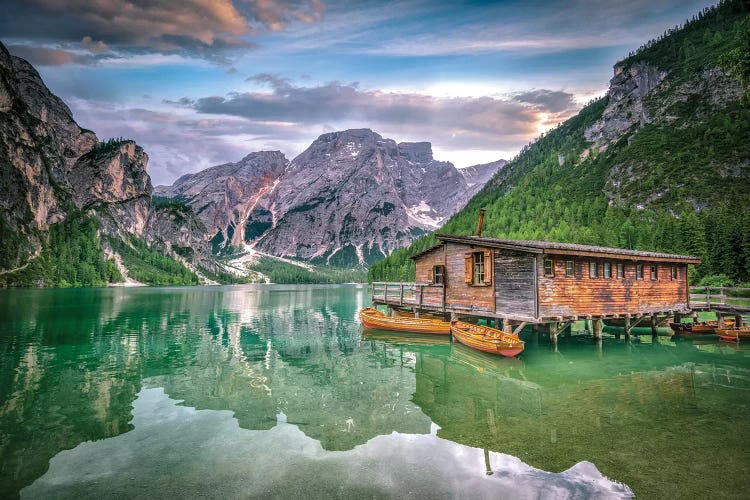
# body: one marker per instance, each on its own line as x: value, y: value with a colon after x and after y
x: 276, y: 391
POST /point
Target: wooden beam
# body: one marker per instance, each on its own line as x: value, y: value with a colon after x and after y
x: 519, y: 328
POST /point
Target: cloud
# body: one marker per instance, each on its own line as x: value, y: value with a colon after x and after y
x: 43, y: 56
x: 202, y: 28
x: 452, y: 122
x: 547, y: 100
x: 182, y: 141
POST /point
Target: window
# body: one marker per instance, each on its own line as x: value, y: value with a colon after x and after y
x: 438, y: 274
x: 607, y: 270
x: 592, y: 270
x: 620, y: 270
x: 569, y: 268
x: 549, y: 269
x: 639, y: 271
x: 479, y: 267
x: 674, y: 272
x: 654, y: 272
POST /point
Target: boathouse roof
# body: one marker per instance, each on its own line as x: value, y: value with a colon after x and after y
x: 552, y: 247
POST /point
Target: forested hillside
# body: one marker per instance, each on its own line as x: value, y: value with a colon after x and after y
x: 666, y: 172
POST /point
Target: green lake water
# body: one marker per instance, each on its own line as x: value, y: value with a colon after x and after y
x: 264, y: 391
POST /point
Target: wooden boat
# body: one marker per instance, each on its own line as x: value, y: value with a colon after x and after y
x: 372, y: 318
x: 734, y: 334
x: 681, y: 328
x: 487, y: 339
x: 699, y: 327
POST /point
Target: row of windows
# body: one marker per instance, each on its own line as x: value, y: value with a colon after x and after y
x: 607, y: 270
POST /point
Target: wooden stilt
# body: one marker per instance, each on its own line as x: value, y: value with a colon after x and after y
x: 627, y: 327
x: 654, y: 326
x: 507, y: 326
x: 553, y: 332
x: 597, y: 328
x: 738, y: 320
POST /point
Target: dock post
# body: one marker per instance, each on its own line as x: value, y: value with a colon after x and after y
x: 738, y: 320
x: 507, y: 326
x: 719, y: 320
x: 596, y: 325
x: 627, y: 327
x: 654, y: 325
x: 553, y: 332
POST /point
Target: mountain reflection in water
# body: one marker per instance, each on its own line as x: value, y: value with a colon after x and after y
x: 181, y: 389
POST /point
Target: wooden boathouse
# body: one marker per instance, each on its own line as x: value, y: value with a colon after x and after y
x: 542, y: 282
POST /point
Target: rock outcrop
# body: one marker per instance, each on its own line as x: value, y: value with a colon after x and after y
x: 627, y: 91
x: 50, y: 167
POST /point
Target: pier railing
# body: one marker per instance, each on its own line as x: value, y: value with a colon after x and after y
x: 408, y: 294
x: 718, y: 297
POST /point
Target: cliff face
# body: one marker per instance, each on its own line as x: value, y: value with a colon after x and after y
x: 232, y: 200
x: 50, y: 167
x: 39, y: 143
x: 627, y: 91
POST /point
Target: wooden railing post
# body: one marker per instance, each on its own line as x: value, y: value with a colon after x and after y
x: 401, y: 296
x: 723, y: 297
x: 385, y: 293
x: 421, y: 295
x: 708, y: 297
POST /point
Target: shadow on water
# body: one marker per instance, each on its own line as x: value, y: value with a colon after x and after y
x: 73, y: 363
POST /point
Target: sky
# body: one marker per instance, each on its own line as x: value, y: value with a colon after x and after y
x: 198, y: 83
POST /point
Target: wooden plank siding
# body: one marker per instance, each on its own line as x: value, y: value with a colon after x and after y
x: 435, y: 257
x: 428, y: 260
x: 462, y: 295
x: 581, y: 295
x: 516, y: 287
x: 515, y: 290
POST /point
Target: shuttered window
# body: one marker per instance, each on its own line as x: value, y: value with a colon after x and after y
x: 639, y: 271
x: 654, y: 272
x: 438, y: 275
x: 608, y: 270
x: 478, y: 267
x: 620, y: 270
x: 674, y: 272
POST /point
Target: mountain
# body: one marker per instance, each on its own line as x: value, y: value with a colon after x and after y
x: 67, y: 199
x: 350, y: 198
x: 662, y: 162
x: 478, y: 175
x: 231, y: 199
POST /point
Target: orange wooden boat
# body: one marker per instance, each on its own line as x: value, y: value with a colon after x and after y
x: 487, y: 339
x: 734, y: 334
x: 372, y: 318
x: 707, y: 327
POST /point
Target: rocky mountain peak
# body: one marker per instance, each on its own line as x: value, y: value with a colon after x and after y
x: 416, y: 152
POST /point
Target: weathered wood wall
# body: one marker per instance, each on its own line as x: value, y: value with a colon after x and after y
x: 515, y: 286
x: 426, y: 261
x: 459, y: 293
x: 581, y: 295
